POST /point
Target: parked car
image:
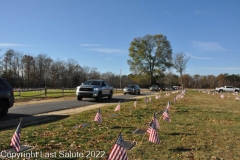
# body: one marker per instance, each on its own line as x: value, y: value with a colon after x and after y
x: 162, y: 88
x: 132, y: 89
x: 154, y: 88
x: 6, y: 97
x: 94, y: 89
x: 227, y: 89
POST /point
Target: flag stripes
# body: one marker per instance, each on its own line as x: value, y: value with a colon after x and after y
x: 98, y: 117
x: 153, y: 135
x: 118, y: 152
x: 118, y: 107
x: 166, y: 116
x: 16, y: 138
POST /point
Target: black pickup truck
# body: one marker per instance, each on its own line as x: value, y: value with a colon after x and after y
x: 6, y: 97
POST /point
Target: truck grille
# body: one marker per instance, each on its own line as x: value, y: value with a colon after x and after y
x: 86, y: 89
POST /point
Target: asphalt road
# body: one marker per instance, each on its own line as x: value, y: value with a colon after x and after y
x: 39, y: 108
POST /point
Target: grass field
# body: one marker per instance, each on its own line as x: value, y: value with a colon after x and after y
x: 51, y: 93
x: 203, y: 126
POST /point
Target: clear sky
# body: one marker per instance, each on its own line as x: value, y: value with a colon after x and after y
x: 98, y: 33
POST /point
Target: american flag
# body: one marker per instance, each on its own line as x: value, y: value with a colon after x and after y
x: 166, y: 116
x: 155, y: 120
x: 98, y: 117
x: 182, y: 95
x: 150, y: 99
x: 146, y: 100
x: 16, y: 138
x: 118, y: 151
x: 237, y: 98
x: 153, y: 135
x: 168, y: 106
x: 157, y: 97
x: 222, y: 96
x: 135, y: 103
x: 174, y: 99
x: 118, y: 107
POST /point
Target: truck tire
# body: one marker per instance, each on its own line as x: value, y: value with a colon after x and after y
x: 3, y: 108
x: 110, y: 96
x: 220, y: 91
x: 99, y: 97
x: 139, y: 93
x: 79, y: 98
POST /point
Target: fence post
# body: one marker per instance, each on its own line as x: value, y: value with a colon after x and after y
x: 62, y: 91
x: 19, y: 93
x: 45, y: 91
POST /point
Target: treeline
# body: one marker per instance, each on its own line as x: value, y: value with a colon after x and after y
x: 211, y: 81
x: 191, y: 81
x: 26, y: 71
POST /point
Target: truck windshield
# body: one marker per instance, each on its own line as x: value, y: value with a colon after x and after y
x: 92, y: 83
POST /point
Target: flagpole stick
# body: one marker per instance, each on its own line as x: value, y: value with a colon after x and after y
x: 120, y: 130
x: 141, y: 140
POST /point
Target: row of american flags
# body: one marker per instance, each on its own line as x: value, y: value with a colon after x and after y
x: 222, y: 95
x: 118, y: 150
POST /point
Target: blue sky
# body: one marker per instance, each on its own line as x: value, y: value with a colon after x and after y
x: 98, y: 33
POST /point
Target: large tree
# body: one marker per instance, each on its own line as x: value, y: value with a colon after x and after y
x: 150, y: 55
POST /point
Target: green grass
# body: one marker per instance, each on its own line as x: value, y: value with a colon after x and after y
x: 51, y: 93
x: 202, y: 127
x: 40, y: 93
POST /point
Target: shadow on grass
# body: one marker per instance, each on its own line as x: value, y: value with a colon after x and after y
x: 179, y: 133
x: 181, y: 149
x: 9, y: 122
x: 113, y: 100
x: 119, y: 127
x: 182, y: 111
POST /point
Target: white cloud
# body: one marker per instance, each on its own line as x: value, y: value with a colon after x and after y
x: 90, y: 45
x: 208, y: 46
x: 106, y: 50
x: 13, y: 45
x: 204, y: 58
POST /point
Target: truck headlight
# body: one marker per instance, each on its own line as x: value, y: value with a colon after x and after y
x: 95, y: 89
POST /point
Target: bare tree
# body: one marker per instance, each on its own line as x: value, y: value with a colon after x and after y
x: 42, y: 63
x: 179, y: 62
x: 28, y: 64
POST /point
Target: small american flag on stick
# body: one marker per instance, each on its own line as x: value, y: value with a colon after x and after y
x: 222, y: 96
x: 118, y: 151
x: 166, y: 116
x: 135, y: 103
x: 146, y: 100
x: 16, y: 138
x: 118, y: 107
x: 155, y: 122
x: 98, y: 117
x: 153, y: 135
x: 168, y: 106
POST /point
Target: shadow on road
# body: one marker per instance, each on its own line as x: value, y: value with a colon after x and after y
x: 9, y: 122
